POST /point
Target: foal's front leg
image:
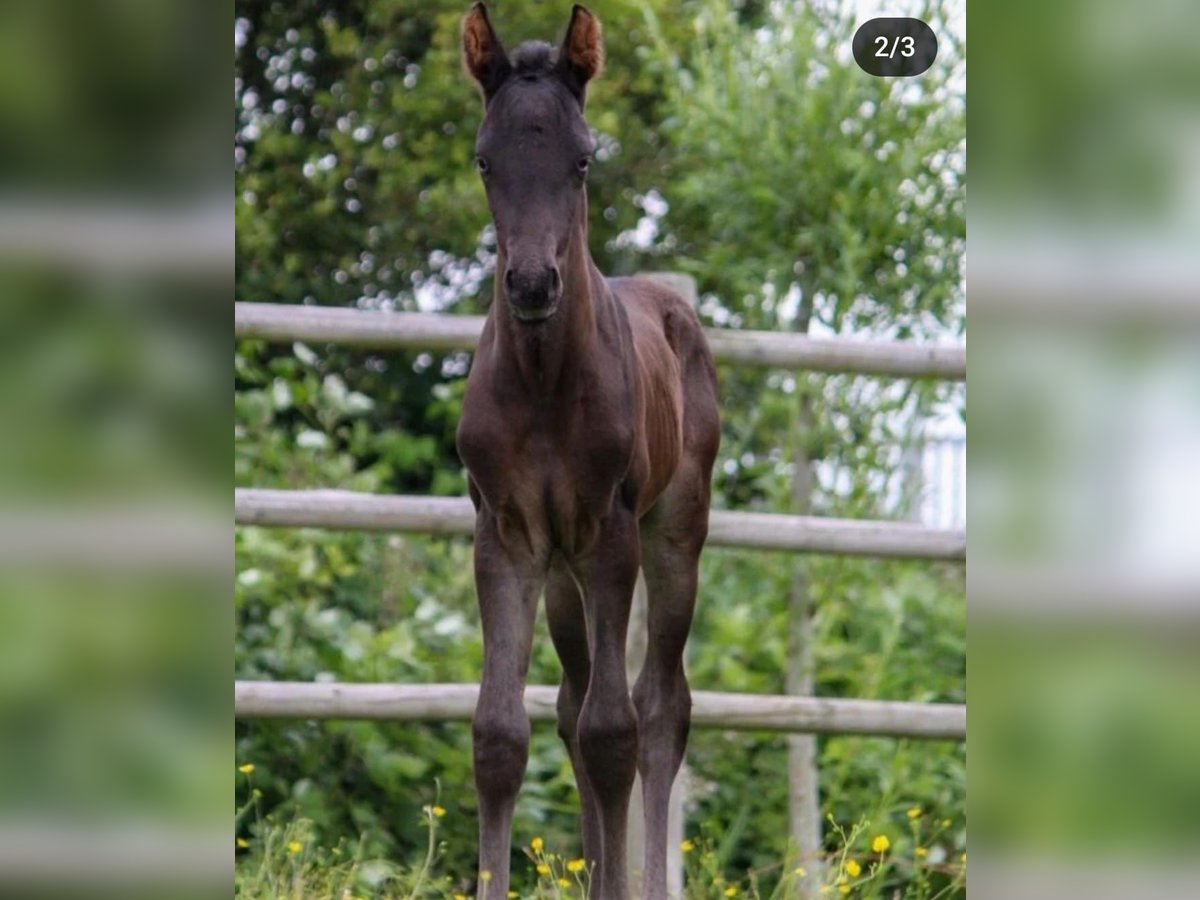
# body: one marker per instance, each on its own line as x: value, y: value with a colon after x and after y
x: 508, y: 580
x: 607, y: 730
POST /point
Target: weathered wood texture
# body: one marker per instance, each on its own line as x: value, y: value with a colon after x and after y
x: 433, y: 331
x: 731, y: 712
x: 453, y: 515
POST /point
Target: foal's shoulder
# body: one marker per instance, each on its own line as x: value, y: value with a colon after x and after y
x: 645, y: 290
x: 651, y: 299
x: 650, y: 296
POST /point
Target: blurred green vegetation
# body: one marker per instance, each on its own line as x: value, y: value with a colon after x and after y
x: 107, y: 101
x: 115, y: 640
x: 735, y: 143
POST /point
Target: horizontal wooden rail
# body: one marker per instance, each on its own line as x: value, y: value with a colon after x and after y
x: 733, y: 712
x: 432, y: 331
x: 54, y: 854
x: 176, y: 238
x: 353, y: 510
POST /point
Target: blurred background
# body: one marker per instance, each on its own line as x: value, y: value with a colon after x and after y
x: 738, y: 144
x: 1084, y: 469
x: 115, y: 278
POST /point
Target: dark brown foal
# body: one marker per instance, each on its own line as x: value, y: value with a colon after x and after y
x: 588, y: 431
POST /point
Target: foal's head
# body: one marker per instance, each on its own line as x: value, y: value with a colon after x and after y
x: 533, y: 151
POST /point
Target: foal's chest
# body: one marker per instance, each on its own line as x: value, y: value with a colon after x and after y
x: 550, y: 476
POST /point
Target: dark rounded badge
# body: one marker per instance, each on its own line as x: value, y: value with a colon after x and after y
x: 894, y: 48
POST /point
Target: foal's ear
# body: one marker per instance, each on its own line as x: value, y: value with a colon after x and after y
x: 582, y: 54
x: 483, y: 54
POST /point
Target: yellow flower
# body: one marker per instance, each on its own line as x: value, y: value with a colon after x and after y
x: 731, y: 891
x: 946, y: 823
x: 543, y: 869
x: 513, y: 895
x: 964, y: 859
x: 537, y: 844
x: 485, y: 875
x: 246, y: 768
x: 921, y: 852
x: 914, y: 812
x: 438, y: 811
x: 460, y: 897
x: 687, y: 846
x: 843, y: 889
x: 576, y: 865
x: 881, y: 843
x: 853, y: 868
x: 564, y: 882
x: 295, y: 846
x: 243, y: 843
x: 799, y: 871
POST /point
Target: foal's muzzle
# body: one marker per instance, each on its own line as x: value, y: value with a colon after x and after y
x: 532, y: 295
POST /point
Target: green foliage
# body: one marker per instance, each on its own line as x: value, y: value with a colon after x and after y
x: 797, y: 190
x: 793, y: 172
x: 885, y: 630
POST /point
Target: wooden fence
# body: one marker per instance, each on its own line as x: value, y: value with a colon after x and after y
x: 454, y: 516
x: 726, y: 711
x: 352, y: 511
x: 761, y: 349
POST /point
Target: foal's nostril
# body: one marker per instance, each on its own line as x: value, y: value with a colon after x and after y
x: 509, y: 280
x: 553, y: 280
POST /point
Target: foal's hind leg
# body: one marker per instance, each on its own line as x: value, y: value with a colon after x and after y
x: 672, y: 537
x: 568, y: 630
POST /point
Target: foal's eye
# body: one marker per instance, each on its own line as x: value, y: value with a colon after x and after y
x: 482, y: 165
x: 582, y: 165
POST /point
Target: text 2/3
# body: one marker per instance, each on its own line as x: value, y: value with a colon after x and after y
x: 893, y: 47
x: 907, y: 46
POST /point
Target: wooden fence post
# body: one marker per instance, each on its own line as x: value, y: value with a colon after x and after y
x: 635, y: 655
x: 804, y: 784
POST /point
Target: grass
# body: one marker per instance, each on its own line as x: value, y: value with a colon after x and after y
x: 283, y: 861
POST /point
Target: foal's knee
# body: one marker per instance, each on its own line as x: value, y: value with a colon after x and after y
x: 664, y: 710
x: 501, y: 749
x: 608, y: 742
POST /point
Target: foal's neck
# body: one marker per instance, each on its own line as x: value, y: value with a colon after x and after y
x: 547, y: 354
